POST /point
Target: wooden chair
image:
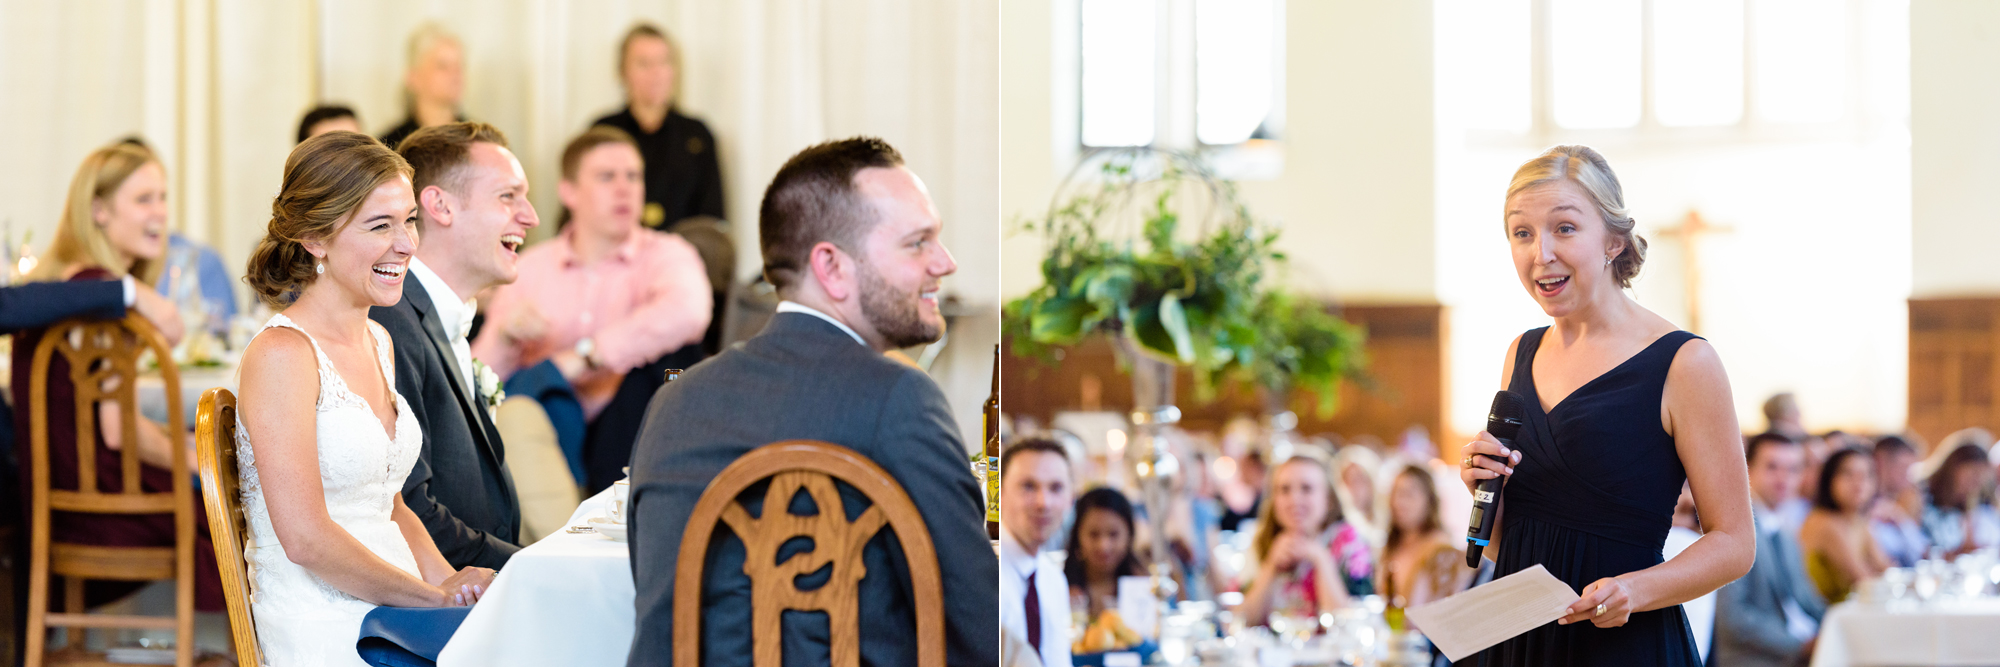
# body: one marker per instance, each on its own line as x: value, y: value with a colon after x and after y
x: 215, y: 455
x: 812, y: 466
x: 101, y: 353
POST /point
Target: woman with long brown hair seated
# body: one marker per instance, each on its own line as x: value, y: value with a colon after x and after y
x: 114, y: 225
x: 1839, y: 548
x: 1420, y: 562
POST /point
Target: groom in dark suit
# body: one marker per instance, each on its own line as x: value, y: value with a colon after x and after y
x: 850, y: 240
x: 472, y: 200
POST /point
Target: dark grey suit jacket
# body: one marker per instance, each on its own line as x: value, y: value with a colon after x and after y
x: 36, y: 305
x: 1749, y: 612
x: 803, y: 378
x: 460, y: 486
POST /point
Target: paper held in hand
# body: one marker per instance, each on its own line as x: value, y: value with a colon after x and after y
x: 1468, y: 622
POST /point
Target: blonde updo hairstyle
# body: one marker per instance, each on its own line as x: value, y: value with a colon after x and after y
x: 1587, y: 169
x: 326, y: 179
x: 79, y: 240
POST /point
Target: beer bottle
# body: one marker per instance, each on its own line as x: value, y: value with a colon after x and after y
x: 991, y: 418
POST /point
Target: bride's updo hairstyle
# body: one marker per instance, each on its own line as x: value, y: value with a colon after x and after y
x: 1588, y: 170
x: 326, y: 179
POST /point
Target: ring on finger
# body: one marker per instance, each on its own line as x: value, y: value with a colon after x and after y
x: 1600, y: 610
x: 1468, y: 460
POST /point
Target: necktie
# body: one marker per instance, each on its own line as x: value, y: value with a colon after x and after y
x: 1034, y: 615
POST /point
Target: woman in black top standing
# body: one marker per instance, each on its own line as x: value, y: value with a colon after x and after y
x: 683, y: 179
x: 1622, y: 406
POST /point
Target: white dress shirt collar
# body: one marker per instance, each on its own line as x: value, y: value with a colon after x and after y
x: 1015, y: 557
x: 796, y: 307
x: 454, y: 315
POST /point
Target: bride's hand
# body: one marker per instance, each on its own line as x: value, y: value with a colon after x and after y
x: 466, y: 586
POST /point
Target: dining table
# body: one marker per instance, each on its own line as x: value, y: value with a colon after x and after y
x: 564, y: 600
x: 1938, y: 632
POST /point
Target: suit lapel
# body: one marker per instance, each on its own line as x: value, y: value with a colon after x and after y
x: 419, y: 299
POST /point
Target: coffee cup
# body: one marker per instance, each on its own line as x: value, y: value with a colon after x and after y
x: 621, y: 495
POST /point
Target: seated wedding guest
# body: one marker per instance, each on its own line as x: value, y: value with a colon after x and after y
x: 1242, y: 494
x: 1686, y: 529
x: 327, y: 118
x: 1895, y: 519
x: 1771, y: 615
x: 850, y: 239
x: 683, y: 176
x: 1840, y: 550
x: 472, y: 204
x: 1420, y: 561
x: 432, y: 83
x: 1309, y: 560
x: 191, y: 269
x: 1356, y: 466
x: 1034, y: 584
x: 1958, y: 513
x: 113, y: 228
x: 605, y: 296
x: 326, y: 439
x: 1100, y: 550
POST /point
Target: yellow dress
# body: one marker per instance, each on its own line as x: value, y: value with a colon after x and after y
x: 1831, y: 582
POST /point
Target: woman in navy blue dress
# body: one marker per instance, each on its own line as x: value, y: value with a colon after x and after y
x: 1622, y: 407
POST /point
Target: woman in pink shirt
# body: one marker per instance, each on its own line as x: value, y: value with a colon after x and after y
x: 606, y: 295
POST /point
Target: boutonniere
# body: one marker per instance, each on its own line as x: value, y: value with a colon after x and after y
x: 489, y: 385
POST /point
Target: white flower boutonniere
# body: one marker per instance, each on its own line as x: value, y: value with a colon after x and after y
x: 489, y: 385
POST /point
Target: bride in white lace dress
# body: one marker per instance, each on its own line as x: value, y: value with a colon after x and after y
x: 325, y: 442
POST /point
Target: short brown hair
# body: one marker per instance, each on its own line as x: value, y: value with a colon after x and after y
x: 597, y: 135
x: 326, y: 179
x: 648, y: 30
x: 1041, y: 444
x: 439, y: 153
x: 812, y: 199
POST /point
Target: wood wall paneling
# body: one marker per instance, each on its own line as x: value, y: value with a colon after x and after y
x: 1406, y: 348
x: 1954, y: 380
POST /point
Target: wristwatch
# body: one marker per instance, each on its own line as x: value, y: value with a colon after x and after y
x: 587, y: 349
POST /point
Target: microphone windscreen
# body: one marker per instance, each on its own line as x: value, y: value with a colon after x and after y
x: 1504, y: 420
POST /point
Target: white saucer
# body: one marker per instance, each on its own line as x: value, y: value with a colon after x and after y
x: 613, y: 531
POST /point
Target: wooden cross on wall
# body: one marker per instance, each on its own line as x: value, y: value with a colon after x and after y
x: 1690, y: 232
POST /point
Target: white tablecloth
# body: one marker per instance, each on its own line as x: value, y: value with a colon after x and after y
x: 1944, y: 633
x: 566, y: 600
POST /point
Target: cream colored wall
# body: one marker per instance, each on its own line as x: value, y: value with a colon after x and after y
x: 1955, y: 148
x: 1355, y: 199
x: 217, y: 86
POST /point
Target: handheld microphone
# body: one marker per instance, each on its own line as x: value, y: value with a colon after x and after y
x: 1504, y: 422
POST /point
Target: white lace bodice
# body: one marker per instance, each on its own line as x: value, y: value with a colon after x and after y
x: 302, y: 620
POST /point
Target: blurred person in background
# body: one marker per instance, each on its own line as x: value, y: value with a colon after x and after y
x: 1034, y: 589
x: 433, y: 83
x: 1100, y: 550
x: 1781, y: 415
x: 328, y: 118
x: 1840, y: 550
x: 1309, y: 560
x: 1243, y: 494
x: 1420, y: 561
x: 1958, y: 514
x: 1356, y: 467
x: 193, y: 275
x: 1895, y: 518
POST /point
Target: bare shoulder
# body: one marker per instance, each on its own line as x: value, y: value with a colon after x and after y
x: 1697, y: 365
x: 273, y: 356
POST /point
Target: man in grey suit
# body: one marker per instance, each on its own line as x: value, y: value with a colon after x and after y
x: 850, y: 240
x: 472, y: 200
x: 1770, y: 616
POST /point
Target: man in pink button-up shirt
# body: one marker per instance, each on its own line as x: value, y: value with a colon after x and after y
x: 606, y: 295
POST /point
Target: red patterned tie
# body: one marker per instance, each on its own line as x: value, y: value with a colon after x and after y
x: 1034, y: 609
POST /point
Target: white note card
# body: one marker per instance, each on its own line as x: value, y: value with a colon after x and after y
x: 1138, y: 607
x: 1468, y: 622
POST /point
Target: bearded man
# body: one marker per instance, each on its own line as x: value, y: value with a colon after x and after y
x: 851, y: 241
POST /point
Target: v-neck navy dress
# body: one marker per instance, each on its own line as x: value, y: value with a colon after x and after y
x: 1592, y: 498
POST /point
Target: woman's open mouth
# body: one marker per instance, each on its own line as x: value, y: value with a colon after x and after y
x: 1551, y: 286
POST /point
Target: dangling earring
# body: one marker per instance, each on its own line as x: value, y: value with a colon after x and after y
x: 321, y: 267
x: 1607, y: 261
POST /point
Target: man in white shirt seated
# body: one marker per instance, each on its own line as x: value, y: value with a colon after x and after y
x: 1034, y: 594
